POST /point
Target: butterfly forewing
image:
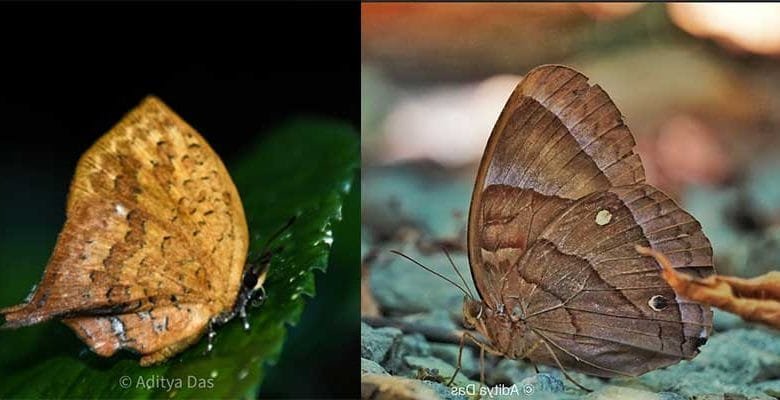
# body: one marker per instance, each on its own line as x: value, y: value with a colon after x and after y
x: 557, y: 139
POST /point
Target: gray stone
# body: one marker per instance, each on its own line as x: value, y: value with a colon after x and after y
x: 439, y: 319
x: 401, y: 287
x: 731, y: 362
x: 370, y: 367
x: 770, y: 388
x: 543, y: 382
x: 375, y: 343
x: 622, y: 393
x: 437, y: 205
x: 449, y: 352
x: 436, y: 369
x: 723, y: 321
x: 403, y: 346
x: 670, y: 396
x: 444, y: 391
x: 509, y: 372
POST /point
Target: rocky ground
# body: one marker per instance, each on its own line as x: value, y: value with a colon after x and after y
x: 416, y: 213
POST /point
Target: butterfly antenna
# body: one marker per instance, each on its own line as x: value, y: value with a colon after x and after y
x: 465, y: 284
x: 273, y: 237
x: 398, y: 253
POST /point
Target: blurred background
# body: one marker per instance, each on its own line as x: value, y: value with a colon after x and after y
x: 698, y: 85
x: 69, y: 72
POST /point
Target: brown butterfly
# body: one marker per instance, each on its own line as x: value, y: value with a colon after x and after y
x: 559, y: 205
x: 153, y: 251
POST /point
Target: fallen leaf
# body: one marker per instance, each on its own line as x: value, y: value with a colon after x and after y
x: 755, y: 299
x: 381, y: 387
x: 368, y: 305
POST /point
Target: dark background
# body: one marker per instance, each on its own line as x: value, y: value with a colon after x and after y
x: 69, y: 72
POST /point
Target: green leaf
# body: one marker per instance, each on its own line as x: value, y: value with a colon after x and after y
x: 303, y: 169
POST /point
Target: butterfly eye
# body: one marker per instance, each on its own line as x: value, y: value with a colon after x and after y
x: 472, y: 312
x: 257, y: 297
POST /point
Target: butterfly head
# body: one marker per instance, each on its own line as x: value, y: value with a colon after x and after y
x: 257, y: 296
x: 472, y: 312
x: 254, y: 277
x: 256, y: 270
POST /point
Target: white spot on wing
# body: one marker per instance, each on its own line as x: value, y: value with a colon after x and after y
x: 603, y: 217
x: 118, y: 328
x: 120, y: 209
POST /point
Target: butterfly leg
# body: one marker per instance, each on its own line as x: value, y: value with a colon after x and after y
x: 481, y: 368
x: 244, y: 318
x: 212, y: 333
x: 482, y: 347
x: 566, y: 374
x: 529, y: 351
x: 460, y: 357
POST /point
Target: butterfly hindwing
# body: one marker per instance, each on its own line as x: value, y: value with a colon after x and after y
x: 592, y: 297
x: 155, y: 333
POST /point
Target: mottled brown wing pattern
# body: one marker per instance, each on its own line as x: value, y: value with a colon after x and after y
x: 584, y: 289
x: 558, y: 139
x: 153, y: 219
x: 561, y: 137
x: 156, y: 334
x: 509, y: 220
x: 159, y: 163
x: 558, y: 206
x: 108, y: 258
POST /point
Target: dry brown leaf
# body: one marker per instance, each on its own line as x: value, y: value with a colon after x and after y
x: 368, y: 306
x: 385, y: 387
x: 756, y: 299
